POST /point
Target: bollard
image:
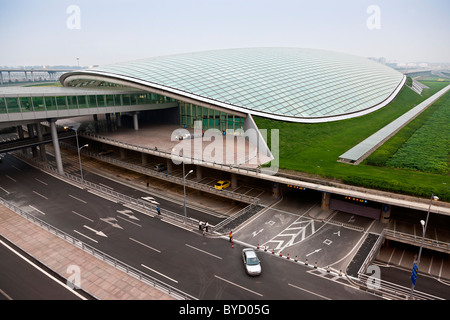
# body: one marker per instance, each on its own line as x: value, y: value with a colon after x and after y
x: 280, y: 254
x: 257, y: 246
x: 328, y: 269
x: 296, y: 259
x: 340, y: 273
x: 265, y: 248
x: 287, y: 256
x: 315, y: 265
x: 306, y: 262
x: 273, y: 251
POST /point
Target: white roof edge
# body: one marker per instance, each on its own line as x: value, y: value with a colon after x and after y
x: 182, y: 93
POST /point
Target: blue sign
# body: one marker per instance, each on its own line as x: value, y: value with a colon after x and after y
x: 414, y: 273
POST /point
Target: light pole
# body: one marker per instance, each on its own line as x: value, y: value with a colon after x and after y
x: 78, y: 148
x: 184, y: 190
x: 424, y: 228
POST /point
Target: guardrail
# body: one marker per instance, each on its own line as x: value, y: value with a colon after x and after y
x: 174, y: 292
x: 432, y: 243
x: 385, y: 288
x: 149, y: 172
x: 143, y: 204
x: 166, y: 154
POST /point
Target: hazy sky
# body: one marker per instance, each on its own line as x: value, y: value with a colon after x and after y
x: 45, y: 32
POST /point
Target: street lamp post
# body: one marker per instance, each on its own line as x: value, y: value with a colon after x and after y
x: 78, y: 149
x: 424, y: 228
x: 184, y: 190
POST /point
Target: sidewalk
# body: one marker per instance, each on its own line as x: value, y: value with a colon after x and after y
x: 98, y: 278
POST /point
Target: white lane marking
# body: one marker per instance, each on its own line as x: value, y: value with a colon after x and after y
x: 82, y: 216
x: 44, y: 183
x: 213, y: 255
x: 129, y: 221
x: 163, y: 275
x: 234, y: 284
x: 36, y: 209
x: 5, y: 190
x: 85, y: 236
x: 145, y: 245
x: 316, y: 294
x: 77, y: 198
x: 43, y: 271
x: 10, y: 178
x: 40, y: 195
x: 3, y: 293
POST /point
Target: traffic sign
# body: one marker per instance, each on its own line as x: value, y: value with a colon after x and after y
x: 414, y: 273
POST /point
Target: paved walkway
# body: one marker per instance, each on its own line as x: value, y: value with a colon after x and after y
x: 98, y: 278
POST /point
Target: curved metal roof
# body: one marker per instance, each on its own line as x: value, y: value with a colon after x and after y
x: 291, y: 84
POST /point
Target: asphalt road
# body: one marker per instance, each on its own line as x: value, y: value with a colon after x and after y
x: 23, y: 279
x: 207, y: 268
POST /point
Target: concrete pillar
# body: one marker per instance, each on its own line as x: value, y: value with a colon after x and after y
x: 199, y: 170
x: 118, y: 120
x: 32, y: 135
x: 385, y: 213
x: 326, y: 200
x: 96, y: 123
x: 275, y: 190
x: 1, y: 78
x: 108, y: 122
x: 59, y: 164
x: 42, y: 152
x: 122, y: 154
x: 234, y: 180
x: 135, y: 121
x: 144, y: 158
x: 169, y: 166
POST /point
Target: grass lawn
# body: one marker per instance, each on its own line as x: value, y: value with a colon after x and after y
x: 315, y: 149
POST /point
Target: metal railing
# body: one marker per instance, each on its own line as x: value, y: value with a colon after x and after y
x: 140, y: 203
x: 167, y: 177
x: 172, y: 291
x: 166, y: 154
x: 432, y: 243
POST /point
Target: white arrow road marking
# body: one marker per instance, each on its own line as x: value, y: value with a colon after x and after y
x: 99, y: 233
x: 255, y: 233
x: 109, y: 220
x: 315, y: 251
x: 128, y: 213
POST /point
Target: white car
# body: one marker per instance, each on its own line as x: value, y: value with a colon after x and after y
x: 251, y: 262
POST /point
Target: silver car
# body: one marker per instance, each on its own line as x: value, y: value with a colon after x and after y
x: 251, y: 262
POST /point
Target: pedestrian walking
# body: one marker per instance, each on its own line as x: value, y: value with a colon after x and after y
x: 231, y: 236
x: 159, y: 210
x: 206, y: 226
x: 200, y: 226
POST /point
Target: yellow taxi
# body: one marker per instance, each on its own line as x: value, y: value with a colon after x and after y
x: 220, y: 185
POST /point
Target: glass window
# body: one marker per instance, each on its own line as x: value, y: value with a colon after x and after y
x: 109, y: 100
x: 101, y: 100
x: 72, y: 102
x: 50, y: 103
x: 82, y: 102
x: 126, y: 100
x: 92, y: 101
x: 2, y: 105
x: 117, y: 100
x: 38, y: 103
x: 61, y: 103
x: 26, y: 104
x: 12, y: 105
